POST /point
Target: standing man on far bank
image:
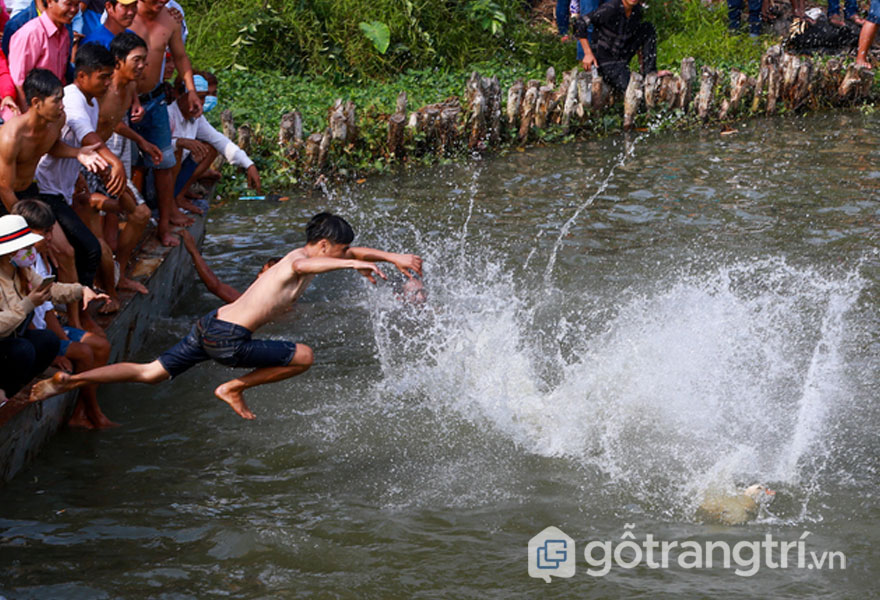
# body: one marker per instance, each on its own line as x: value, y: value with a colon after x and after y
x: 620, y: 34
x: 160, y: 30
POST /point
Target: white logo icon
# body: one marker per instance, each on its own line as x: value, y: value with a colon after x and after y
x: 551, y: 554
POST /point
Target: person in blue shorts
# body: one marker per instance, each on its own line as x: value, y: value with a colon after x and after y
x: 225, y: 335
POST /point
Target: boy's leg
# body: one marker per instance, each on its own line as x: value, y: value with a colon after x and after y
x: 61, y: 382
x: 87, y: 413
x: 138, y: 217
x: 232, y: 392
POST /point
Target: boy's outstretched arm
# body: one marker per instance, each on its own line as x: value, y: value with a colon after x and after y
x: 324, y: 264
x: 406, y: 263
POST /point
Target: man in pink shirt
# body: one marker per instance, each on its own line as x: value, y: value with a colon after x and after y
x: 42, y: 43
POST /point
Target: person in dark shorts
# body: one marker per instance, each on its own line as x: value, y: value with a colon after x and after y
x: 225, y: 335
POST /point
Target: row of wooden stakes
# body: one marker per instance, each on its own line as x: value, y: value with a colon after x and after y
x: 784, y: 79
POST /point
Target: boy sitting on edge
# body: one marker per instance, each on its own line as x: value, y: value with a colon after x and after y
x: 224, y: 335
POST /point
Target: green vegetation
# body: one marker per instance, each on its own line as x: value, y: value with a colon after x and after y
x: 273, y: 56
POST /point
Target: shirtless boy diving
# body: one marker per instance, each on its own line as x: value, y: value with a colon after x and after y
x: 224, y: 335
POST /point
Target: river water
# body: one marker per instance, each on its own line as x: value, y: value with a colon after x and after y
x: 612, y: 329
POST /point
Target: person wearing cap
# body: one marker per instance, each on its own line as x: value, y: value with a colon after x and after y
x: 25, y: 352
x: 197, y: 144
x: 155, y: 24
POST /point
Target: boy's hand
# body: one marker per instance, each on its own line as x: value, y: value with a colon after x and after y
x: 368, y: 269
x: 89, y: 296
x: 408, y: 262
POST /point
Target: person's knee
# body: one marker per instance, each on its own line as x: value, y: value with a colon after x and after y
x: 303, y: 357
x: 140, y: 215
x: 82, y: 355
x: 153, y: 372
x: 99, y: 346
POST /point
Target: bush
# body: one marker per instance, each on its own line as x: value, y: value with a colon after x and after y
x: 325, y: 37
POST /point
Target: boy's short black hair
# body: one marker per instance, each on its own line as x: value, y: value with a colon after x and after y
x: 36, y: 212
x: 92, y: 57
x: 325, y: 226
x: 124, y: 43
x: 40, y: 83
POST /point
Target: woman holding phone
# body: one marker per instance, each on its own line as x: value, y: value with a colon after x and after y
x: 26, y: 352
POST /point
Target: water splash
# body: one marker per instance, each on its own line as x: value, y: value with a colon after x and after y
x: 718, y: 376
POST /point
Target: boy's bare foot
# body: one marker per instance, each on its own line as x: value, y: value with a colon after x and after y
x: 125, y: 283
x: 180, y: 219
x: 57, y: 384
x: 79, y: 420
x: 235, y: 399
x: 187, y: 205
x: 99, y: 420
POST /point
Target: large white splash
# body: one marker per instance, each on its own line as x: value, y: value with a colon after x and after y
x: 707, y: 377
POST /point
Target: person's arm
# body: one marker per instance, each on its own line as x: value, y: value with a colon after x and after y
x: 235, y: 155
x: 116, y: 180
x: 87, y: 155
x: 225, y: 292
x: 325, y: 264
x: 184, y: 68
x: 580, y: 26
x: 150, y: 149
x: 8, y: 93
x: 404, y: 262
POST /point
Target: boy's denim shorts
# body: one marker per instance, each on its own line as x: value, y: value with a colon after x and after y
x: 156, y: 129
x: 226, y: 343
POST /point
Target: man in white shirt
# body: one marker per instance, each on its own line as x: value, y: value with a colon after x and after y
x: 57, y: 177
x: 197, y: 144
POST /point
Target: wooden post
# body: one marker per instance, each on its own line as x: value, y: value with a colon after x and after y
x: 313, y: 148
x: 707, y: 92
x: 550, y: 79
x: 739, y: 87
x: 338, y: 126
x: 571, y: 99
x: 290, y: 132
x: 632, y: 99
x: 492, y: 94
x: 350, y: 112
x: 652, y: 88
x: 396, y: 126
x: 324, y: 148
x: 599, y: 92
x: 528, y: 109
x: 584, y: 93
x: 688, y: 76
x: 774, y: 88
x: 514, y: 102
x: 800, y: 91
x: 542, y: 106
x: 401, y: 103
x: 228, y: 124
x: 478, y: 121
x: 244, y: 137
x: 428, y: 123
x: 448, y: 128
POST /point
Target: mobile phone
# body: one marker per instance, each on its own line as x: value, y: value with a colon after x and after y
x: 47, y: 281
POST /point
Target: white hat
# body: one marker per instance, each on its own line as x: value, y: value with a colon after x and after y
x: 15, y: 234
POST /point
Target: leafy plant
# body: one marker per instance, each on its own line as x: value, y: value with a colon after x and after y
x: 378, y: 33
x: 488, y: 15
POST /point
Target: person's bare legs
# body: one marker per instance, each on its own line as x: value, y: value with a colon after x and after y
x: 866, y: 39
x: 132, y: 230
x: 62, y: 382
x: 232, y: 392
x: 200, y: 170
x: 169, y: 214
x: 63, y: 254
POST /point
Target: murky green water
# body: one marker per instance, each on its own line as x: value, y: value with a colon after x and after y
x: 612, y: 328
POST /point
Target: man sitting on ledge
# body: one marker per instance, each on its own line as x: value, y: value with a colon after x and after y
x: 620, y: 34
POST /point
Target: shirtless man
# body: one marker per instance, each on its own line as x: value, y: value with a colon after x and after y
x: 26, y: 138
x: 224, y: 335
x: 160, y: 30
x: 130, y: 52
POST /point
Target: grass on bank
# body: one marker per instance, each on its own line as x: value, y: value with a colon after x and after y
x: 303, y: 54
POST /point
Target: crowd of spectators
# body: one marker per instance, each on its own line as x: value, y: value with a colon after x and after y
x: 97, y: 140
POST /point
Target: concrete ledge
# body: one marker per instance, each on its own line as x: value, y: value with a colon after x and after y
x: 167, y: 272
